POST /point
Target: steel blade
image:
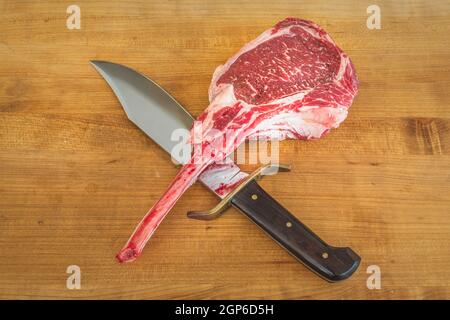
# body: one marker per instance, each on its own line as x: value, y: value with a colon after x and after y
x: 146, y: 104
x: 158, y: 114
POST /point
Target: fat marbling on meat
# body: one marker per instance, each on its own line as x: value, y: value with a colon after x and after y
x: 291, y: 82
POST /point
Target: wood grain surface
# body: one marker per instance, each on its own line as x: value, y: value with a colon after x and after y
x: 76, y: 176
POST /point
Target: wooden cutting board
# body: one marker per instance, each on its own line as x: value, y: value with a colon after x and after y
x: 76, y: 176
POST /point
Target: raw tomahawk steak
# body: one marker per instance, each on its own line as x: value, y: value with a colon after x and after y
x: 292, y: 81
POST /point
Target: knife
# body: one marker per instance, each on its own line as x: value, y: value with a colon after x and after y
x: 158, y: 114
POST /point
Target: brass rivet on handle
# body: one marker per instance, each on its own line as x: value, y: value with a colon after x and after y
x: 325, y: 255
x: 288, y: 224
x: 254, y: 196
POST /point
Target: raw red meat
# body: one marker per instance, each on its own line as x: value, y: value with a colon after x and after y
x: 292, y: 81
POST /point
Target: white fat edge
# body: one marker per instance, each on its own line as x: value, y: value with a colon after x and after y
x: 314, y: 32
x: 212, y: 86
x: 271, y: 135
x: 286, y: 122
x: 228, y: 98
x: 226, y: 95
x: 278, y: 126
x: 338, y: 81
x: 342, y: 67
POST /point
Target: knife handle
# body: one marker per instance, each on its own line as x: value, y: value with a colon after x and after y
x: 331, y: 263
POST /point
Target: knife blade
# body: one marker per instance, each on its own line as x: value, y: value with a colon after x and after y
x: 141, y: 99
x: 158, y: 114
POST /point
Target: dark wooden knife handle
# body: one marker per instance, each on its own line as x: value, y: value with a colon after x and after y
x: 331, y: 263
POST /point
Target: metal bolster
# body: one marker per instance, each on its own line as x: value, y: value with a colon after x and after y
x: 220, y: 208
